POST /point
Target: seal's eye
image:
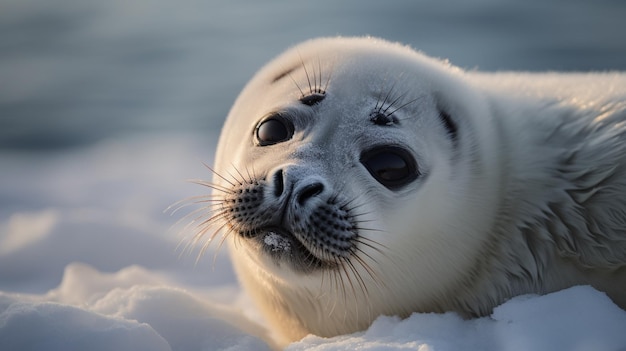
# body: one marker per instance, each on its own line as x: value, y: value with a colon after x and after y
x: 274, y: 129
x: 391, y: 166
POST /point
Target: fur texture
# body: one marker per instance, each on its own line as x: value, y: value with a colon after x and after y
x: 520, y: 186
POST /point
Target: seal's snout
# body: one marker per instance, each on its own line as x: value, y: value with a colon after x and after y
x: 294, y: 216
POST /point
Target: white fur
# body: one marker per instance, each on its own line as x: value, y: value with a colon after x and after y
x: 532, y: 198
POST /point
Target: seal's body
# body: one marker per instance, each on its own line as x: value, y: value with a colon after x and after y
x: 357, y: 177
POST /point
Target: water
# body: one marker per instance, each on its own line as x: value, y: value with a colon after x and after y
x: 73, y: 72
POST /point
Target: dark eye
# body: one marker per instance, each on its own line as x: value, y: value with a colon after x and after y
x: 391, y: 166
x: 274, y: 129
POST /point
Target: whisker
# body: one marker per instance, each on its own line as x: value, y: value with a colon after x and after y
x: 180, y: 204
x: 249, y: 180
x: 363, y: 252
x: 243, y: 179
x: 221, y: 243
x: 199, y: 232
x: 360, y: 221
x: 356, y: 207
x: 306, y: 72
x: 360, y: 279
x: 370, y: 229
x: 217, y: 174
x: 199, y: 214
x: 210, y: 202
x: 372, y: 244
x: 254, y: 175
x: 208, y: 242
x: 379, y: 283
x: 203, y: 230
x: 393, y: 103
x: 213, y: 218
x: 351, y: 284
x: 404, y: 105
x: 330, y: 74
x: 318, y: 88
x: 234, y: 178
x: 211, y: 185
x: 205, y: 218
x: 336, y: 284
x: 379, y: 94
x: 322, y: 295
x: 219, y: 246
x: 296, y: 83
x: 388, y: 96
x: 352, y: 271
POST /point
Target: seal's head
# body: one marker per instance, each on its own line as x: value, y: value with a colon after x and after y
x: 343, y: 177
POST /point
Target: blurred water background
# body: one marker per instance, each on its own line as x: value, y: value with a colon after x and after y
x: 73, y: 72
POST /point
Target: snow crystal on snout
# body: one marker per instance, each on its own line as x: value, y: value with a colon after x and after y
x: 277, y: 242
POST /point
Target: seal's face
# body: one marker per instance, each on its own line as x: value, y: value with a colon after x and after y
x: 333, y: 185
x: 308, y: 164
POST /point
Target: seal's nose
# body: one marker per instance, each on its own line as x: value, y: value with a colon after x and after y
x: 278, y: 183
x: 308, y: 191
x: 295, y: 184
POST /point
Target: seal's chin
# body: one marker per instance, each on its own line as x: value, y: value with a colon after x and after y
x: 283, y: 247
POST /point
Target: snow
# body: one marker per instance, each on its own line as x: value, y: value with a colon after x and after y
x: 579, y: 318
x: 277, y: 242
x: 88, y: 261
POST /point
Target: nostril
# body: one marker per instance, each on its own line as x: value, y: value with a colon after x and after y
x: 308, y: 192
x: 279, y: 183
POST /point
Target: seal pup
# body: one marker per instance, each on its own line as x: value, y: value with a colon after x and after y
x: 355, y: 177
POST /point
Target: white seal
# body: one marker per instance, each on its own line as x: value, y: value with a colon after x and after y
x: 357, y: 178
